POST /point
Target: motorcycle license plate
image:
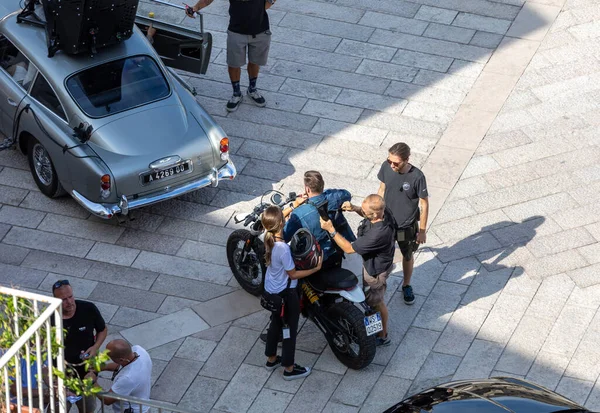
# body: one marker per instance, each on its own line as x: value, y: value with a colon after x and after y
x: 373, y: 324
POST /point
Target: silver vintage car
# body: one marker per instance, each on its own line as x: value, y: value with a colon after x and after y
x: 117, y: 130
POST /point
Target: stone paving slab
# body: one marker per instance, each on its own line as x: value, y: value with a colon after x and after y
x: 172, y: 327
x: 499, y: 103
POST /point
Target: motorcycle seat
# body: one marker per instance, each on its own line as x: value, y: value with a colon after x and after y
x: 333, y: 279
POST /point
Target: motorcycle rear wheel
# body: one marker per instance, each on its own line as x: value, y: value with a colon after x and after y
x: 250, y: 274
x: 351, y: 345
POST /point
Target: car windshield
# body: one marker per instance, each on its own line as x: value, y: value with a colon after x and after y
x: 117, y: 86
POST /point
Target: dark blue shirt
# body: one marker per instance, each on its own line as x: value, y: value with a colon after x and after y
x: 307, y: 216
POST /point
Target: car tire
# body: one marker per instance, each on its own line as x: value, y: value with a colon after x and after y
x: 42, y: 169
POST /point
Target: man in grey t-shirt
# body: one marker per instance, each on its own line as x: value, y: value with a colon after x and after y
x: 404, y: 189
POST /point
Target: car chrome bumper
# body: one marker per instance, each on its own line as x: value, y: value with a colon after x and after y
x: 107, y: 211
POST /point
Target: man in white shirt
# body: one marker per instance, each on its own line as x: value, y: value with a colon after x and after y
x: 132, y: 372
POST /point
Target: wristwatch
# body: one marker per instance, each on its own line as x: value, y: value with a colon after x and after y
x: 333, y: 234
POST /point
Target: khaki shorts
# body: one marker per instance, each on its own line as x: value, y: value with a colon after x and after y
x: 257, y: 48
x: 375, y: 287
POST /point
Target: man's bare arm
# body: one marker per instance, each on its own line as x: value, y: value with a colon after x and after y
x: 202, y: 4
x: 381, y: 189
x: 107, y: 400
x: 269, y: 3
x: 343, y: 243
x: 424, y: 204
x: 422, y: 234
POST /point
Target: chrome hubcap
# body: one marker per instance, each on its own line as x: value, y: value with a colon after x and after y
x: 42, y: 164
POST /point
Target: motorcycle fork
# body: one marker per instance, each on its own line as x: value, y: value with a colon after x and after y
x: 247, y: 248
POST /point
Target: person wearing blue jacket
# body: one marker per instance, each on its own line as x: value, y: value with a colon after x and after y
x: 304, y: 214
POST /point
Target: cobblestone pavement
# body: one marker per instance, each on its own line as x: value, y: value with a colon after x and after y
x: 500, y: 102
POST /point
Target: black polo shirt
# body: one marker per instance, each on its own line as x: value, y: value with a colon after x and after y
x: 402, y: 193
x: 248, y: 16
x: 375, y: 244
x: 81, y: 331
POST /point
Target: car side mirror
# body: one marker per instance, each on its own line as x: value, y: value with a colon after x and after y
x: 83, y: 132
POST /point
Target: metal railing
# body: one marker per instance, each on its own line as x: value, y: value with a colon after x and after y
x: 23, y: 365
x: 21, y: 354
x: 140, y: 405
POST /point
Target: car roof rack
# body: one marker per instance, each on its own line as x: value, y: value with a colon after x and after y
x: 30, y: 15
x: 81, y: 26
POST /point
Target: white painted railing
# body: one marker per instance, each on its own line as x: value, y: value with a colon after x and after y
x: 50, y: 387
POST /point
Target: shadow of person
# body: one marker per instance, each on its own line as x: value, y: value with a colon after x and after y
x: 486, y: 260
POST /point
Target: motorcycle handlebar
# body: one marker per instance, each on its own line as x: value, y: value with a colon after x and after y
x: 259, y: 208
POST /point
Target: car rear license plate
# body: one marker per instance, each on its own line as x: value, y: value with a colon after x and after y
x: 373, y: 324
x: 166, y: 173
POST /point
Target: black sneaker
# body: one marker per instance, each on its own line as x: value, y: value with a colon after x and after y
x: 234, y: 103
x: 409, y: 297
x: 263, y: 338
x: 297, y: 373
x: 273, y: 365
x: 257, y: 98
x: 383, y: 341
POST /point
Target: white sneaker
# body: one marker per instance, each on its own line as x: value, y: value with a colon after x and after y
x: 257, y: 98
x: 234, y: 103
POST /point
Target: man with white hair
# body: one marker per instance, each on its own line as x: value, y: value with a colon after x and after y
x: 375, y: 244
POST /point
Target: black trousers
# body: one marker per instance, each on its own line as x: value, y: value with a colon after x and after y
x: 291, y: 317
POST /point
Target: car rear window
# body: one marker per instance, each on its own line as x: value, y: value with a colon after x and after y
x: 117, y: 86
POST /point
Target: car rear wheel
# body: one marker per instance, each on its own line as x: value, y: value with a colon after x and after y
x: 42, y: 169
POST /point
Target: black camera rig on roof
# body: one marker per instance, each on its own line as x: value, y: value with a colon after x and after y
x: 81, y: 26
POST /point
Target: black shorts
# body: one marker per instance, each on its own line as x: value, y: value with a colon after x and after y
x: 407, y: 240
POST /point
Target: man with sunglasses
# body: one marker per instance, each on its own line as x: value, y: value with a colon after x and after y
x: 86, y: 331
x: 404, y: 189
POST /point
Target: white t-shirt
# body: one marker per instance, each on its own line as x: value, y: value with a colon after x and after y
x: 134, y: 380
x: 276, y: 277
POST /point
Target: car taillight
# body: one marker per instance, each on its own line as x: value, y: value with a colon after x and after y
x: 224, y: 148
x: 105, y: 186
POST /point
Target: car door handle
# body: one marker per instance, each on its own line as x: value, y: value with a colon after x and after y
x: 11, y: 102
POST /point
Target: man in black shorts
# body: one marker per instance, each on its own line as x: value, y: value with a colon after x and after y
x: 404, y: 189
x: 86, y: 331
x: 248, y: 33
x: 375, y: 244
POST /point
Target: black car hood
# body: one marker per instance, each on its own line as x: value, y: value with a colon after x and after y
x: 497, y: 395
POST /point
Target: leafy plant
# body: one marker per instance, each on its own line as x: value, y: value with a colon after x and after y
x: 15, y: 319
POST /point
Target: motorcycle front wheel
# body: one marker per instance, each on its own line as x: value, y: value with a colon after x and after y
x: 249, y: 271
x: 350, y: 342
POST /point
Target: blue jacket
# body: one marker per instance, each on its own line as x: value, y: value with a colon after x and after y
x: 307, y: 216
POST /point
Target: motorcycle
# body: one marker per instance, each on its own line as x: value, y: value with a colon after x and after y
x: 328, y: 298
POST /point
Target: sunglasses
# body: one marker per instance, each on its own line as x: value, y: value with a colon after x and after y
x: 394, y: 163
x: 59, y: 284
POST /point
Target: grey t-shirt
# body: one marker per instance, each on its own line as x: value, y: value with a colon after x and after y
x: 402, y: 193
